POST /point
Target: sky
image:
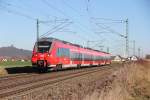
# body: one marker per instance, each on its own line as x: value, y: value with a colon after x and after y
x: 77, y: 21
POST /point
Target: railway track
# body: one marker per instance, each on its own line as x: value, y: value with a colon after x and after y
x: 23, y: 75
x: 21, y: 79
x: 13, y: 77
x: 38, y: 81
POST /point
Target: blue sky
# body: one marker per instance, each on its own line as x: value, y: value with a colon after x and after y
x: 81, y: 26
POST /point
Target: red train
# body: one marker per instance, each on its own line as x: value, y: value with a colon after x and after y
x: 51, y: 52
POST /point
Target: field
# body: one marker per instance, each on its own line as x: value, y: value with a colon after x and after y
x: 13, y: 67
x: 15, y: 64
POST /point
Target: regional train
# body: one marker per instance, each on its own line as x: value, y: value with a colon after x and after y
x: 57, y: 54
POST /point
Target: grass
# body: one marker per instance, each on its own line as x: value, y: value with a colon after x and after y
x: 15, y: 64
x: 12, y: 65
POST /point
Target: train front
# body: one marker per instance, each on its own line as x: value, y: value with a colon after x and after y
x: 41, y: 54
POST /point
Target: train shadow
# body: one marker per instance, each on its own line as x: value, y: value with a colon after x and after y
x: 31, y: 69
x: 24, y: 69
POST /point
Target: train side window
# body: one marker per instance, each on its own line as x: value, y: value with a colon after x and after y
x: 76, y: 56
x: 63, y: 52
x: 58, y: 52
x: 66, y: 52
x: 99, y: 57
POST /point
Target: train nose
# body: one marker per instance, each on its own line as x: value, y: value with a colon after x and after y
x: 42, y: 59
x: 41, y: 56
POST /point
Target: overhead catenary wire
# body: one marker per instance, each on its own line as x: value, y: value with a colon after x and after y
x: 89, y: 14
x: 53, y: 21
x: 111, y: 30
x: 41, y: 11
x: 108, y: 19
x: 84, y: 28
x: 58, y: 29
x: 68, y: 5
x: 55, y: 30
x: 52, y: 29
x: 17, y: 13
x: 55, y: 27
x: 53, y: 7
x: 31, y: 18
x: 77, y: 12
x: 27, y: 16
x: 103, y: 26
x: 87, y: 5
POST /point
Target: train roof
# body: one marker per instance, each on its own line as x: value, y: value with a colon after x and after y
x: 50, y: 39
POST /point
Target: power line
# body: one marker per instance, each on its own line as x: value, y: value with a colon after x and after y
x: 54, y: 21
x: 43, y: 22
x: 53, y: 7
x: 20, y: 7
x: 12, y: 5
x: 108, y: 19
x: 41, y: 11
x: 31, y: 18
x: 87, y: 5
x: 18, y: 13
x: 110, y: 30
x: 52, y: 29
x: 60, y: 11
x: 126, y: 36
x: 56, y: 29
x: 111, y: 23
x: 64, y: 2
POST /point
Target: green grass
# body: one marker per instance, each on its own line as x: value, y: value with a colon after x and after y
x: 15, y: 64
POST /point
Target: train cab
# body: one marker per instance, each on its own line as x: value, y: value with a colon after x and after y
x: 41, y: 53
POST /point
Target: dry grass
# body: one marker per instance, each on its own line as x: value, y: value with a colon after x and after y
x: 3, y: 72
x: 131, y: 82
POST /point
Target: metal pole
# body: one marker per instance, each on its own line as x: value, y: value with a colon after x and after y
x: 139, y: 51
x: 88, y: 44
x: 127, y: 39
x: 107, y: 49
x: 37, y: 27
x: 37, y: 32
x: 134, y: 47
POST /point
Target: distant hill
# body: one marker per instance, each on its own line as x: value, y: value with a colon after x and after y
x: 12, y: 51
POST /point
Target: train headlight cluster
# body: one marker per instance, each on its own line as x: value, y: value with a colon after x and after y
x: 48, y: 55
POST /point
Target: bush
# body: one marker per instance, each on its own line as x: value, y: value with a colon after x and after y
x: 147, y: 56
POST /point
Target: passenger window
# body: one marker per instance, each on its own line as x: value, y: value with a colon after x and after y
x: 63, y: 52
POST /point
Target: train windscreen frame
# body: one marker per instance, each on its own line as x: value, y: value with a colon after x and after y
x: 43, y: 46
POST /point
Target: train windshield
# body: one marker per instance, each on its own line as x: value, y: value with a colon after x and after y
x: 43, y: 46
